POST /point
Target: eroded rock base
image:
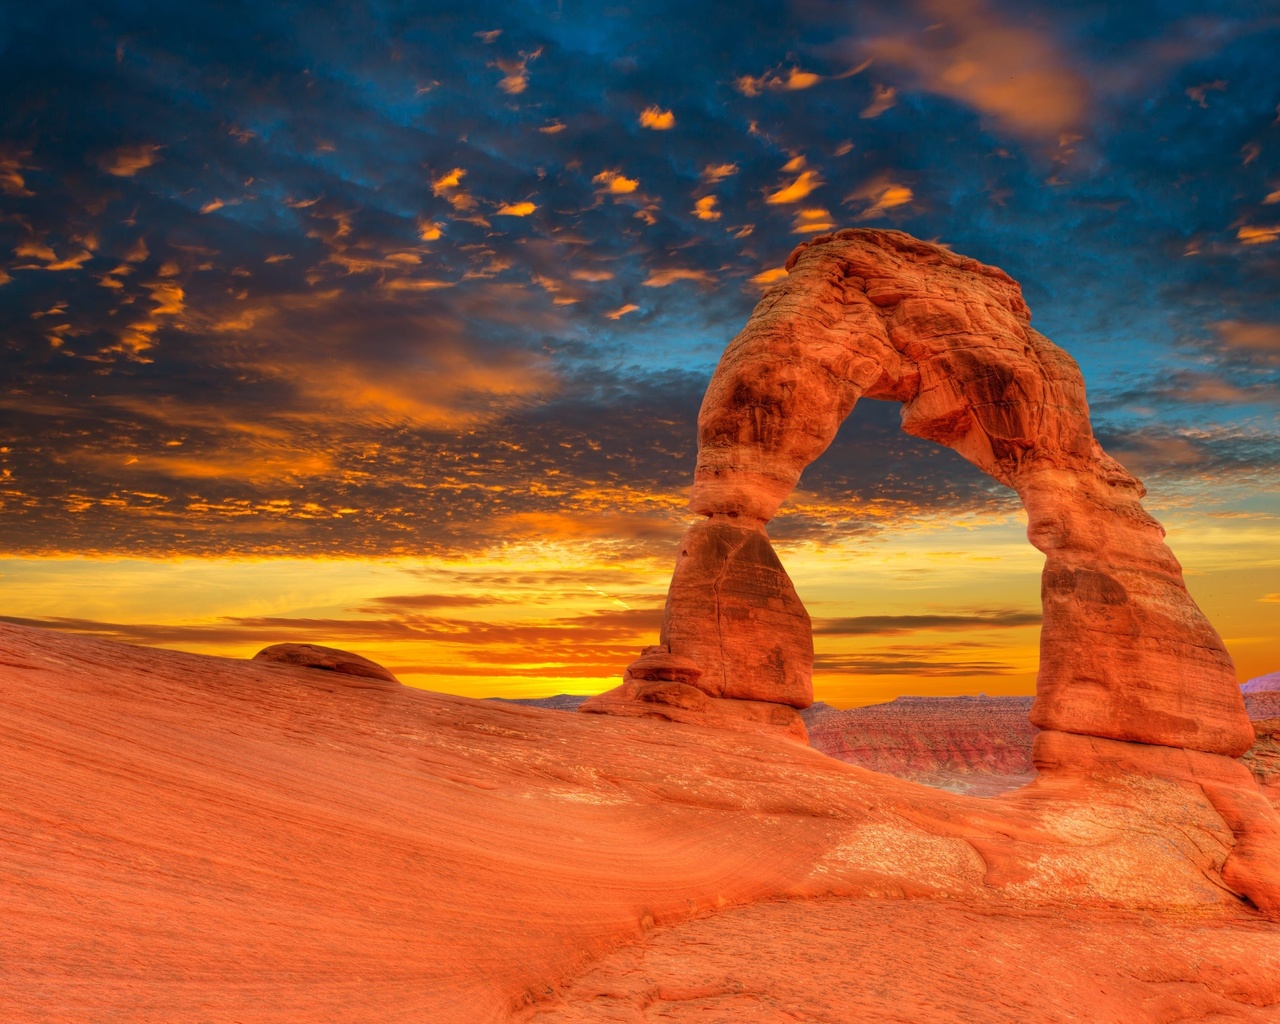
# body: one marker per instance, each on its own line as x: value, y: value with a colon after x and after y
x: 660, y: 684
x: 1252, y: 866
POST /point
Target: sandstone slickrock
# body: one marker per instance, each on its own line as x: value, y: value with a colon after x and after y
x: 330, y: 659
x: 206, y: 839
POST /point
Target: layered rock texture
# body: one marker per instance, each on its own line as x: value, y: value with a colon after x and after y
x: 185, y: 838
x: 976, y: 745
x: 1132, y: 676
x: 1125, y: 652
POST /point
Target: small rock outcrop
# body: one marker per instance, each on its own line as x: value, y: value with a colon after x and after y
x: 664, y: 685
x: 330, y: 659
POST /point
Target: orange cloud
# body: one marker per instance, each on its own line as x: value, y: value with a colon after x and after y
x: 812, y: 221
x: 718, y: 172
x: 622, y: 311
x: 705, y: 209
x: 553, y: 128
x: 884, y: 98
x: 33, y: 249
x: 1250, y: 338
x: 12, y: 182
x: 1197, y: 92
x: 790, y: 80
x: 415, y: 284
x: 516, y: 209
x: 615, y: 182
x: 449, y: 180
x: 767, y: 277
x: 1013, y: 75
x: 448, y: 186
x: 127, y: 161
x: 1250, y: 235
x: 662, y: 278
x: 658, y: 119
x: 168, y: 302
x: 429, y: 230
x: 1272, y: 197
x: 880, y: 194
x: 592, y: 275
x: 516, y: 77
x: 796, y: 190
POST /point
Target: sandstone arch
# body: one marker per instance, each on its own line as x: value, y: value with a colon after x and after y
x: 1125, y: 652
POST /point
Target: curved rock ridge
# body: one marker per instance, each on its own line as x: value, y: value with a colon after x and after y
x: 660, y: 684
x: 1125, y: 652
x: 330, y: 659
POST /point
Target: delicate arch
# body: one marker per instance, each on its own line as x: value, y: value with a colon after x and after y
x: 1125, y: 652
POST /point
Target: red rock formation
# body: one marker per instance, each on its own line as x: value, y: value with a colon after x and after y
x: 1128, y: 663
x: 185, y: 838
x: 330, y: 659
x: 664, y: 685
x: 1125, y: 652
x: 762, y: 647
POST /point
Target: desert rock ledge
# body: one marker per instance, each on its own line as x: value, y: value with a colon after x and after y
x: 330, y: 659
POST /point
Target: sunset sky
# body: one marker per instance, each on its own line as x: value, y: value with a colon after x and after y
x: 385, y: 326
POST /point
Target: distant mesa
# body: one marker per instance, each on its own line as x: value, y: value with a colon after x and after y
x: 1262, y: 684
x: 330, y: 659
x: 1263, y: 758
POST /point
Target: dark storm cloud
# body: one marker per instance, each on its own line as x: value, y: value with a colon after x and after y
x: 309, y: 278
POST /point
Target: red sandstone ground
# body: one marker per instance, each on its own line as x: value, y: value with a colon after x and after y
x: 197, y: 839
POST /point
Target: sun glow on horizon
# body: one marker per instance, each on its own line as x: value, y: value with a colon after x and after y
x: 930, y: 606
